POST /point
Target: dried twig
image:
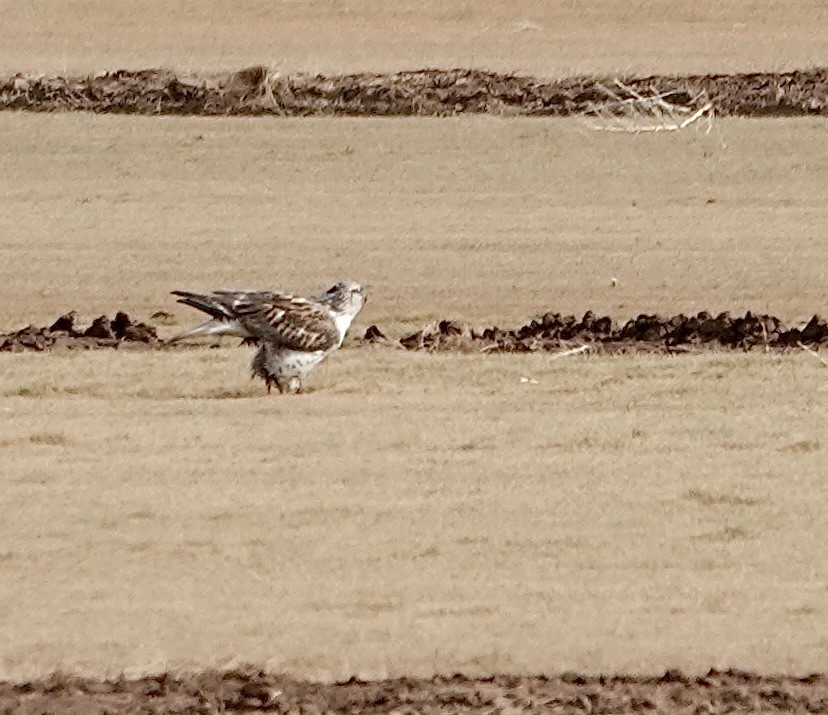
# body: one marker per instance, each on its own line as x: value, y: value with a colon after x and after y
x: 813, y: 352
x: 630, y: 111
x: 573, y: 351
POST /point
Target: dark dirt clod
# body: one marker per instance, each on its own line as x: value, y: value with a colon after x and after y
x: 255, y: 90
x: 252, y: 690
x: 120, y: 323
x: 132, y: 331
x: 374, y: 335
x: 102, y: 333
x: 100, y: 328
x: 163, y: 317
x: 64, y: 324
x: 652, y: 333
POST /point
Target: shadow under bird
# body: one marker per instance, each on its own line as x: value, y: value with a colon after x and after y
x: 293, y: 334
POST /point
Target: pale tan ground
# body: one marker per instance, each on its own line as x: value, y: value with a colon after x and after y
x: 537, y: 36
x: 413, y: 513
x: 482, y: 219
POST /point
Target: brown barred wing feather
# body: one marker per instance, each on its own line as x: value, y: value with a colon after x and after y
x: 282, y: 319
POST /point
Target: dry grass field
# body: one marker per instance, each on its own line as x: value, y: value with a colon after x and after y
x: 534, y: 36
x: 481, y: 219
x: 413, y: 513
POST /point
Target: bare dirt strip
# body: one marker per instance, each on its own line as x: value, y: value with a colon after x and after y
x: 430, y: 92
x: 251, y: 690
x: 551, y: 332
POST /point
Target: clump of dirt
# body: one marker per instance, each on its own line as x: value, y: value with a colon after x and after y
x: 374, y: 335
x: 250, y: 690
x: 430, y: 92
x: 63, y: 333
x: 647, y: 333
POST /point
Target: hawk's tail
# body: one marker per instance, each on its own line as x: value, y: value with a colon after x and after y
x: 223, y: 322
x: 204, y: 303
x: 212, y: 327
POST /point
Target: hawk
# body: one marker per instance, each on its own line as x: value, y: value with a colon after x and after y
x: 294, y: 334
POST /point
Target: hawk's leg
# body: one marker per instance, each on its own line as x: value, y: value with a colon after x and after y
x: 268, y: 380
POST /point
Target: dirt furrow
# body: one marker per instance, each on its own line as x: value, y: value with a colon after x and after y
x: 430, y: 92
x: 253, y: 690
x: 551, y: 332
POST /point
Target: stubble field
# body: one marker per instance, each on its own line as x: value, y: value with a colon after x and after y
x: 532, y: 36
x: 478, y: 218
x: 414, y: 513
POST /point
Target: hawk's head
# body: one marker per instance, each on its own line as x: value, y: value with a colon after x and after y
x: 345, y: 297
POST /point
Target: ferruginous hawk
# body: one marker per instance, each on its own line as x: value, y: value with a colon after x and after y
x: 294, y: 334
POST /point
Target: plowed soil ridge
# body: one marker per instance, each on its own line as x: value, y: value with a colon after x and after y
x: 552, y: 332
x: 63, y: 333
x: 647, y: 333
x: 252, y: 690
x: 428, y: 92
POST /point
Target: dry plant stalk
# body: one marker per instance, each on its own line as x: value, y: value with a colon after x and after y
x: 813, y: 352
x: 573, y: 351
x: 629, y: 111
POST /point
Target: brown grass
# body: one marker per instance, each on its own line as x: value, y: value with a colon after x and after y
x: 413, y: 513
x: 546, y: 38
x: 483, y: 219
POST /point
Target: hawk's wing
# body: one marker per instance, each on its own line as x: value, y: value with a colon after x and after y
x: 282, y: 319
